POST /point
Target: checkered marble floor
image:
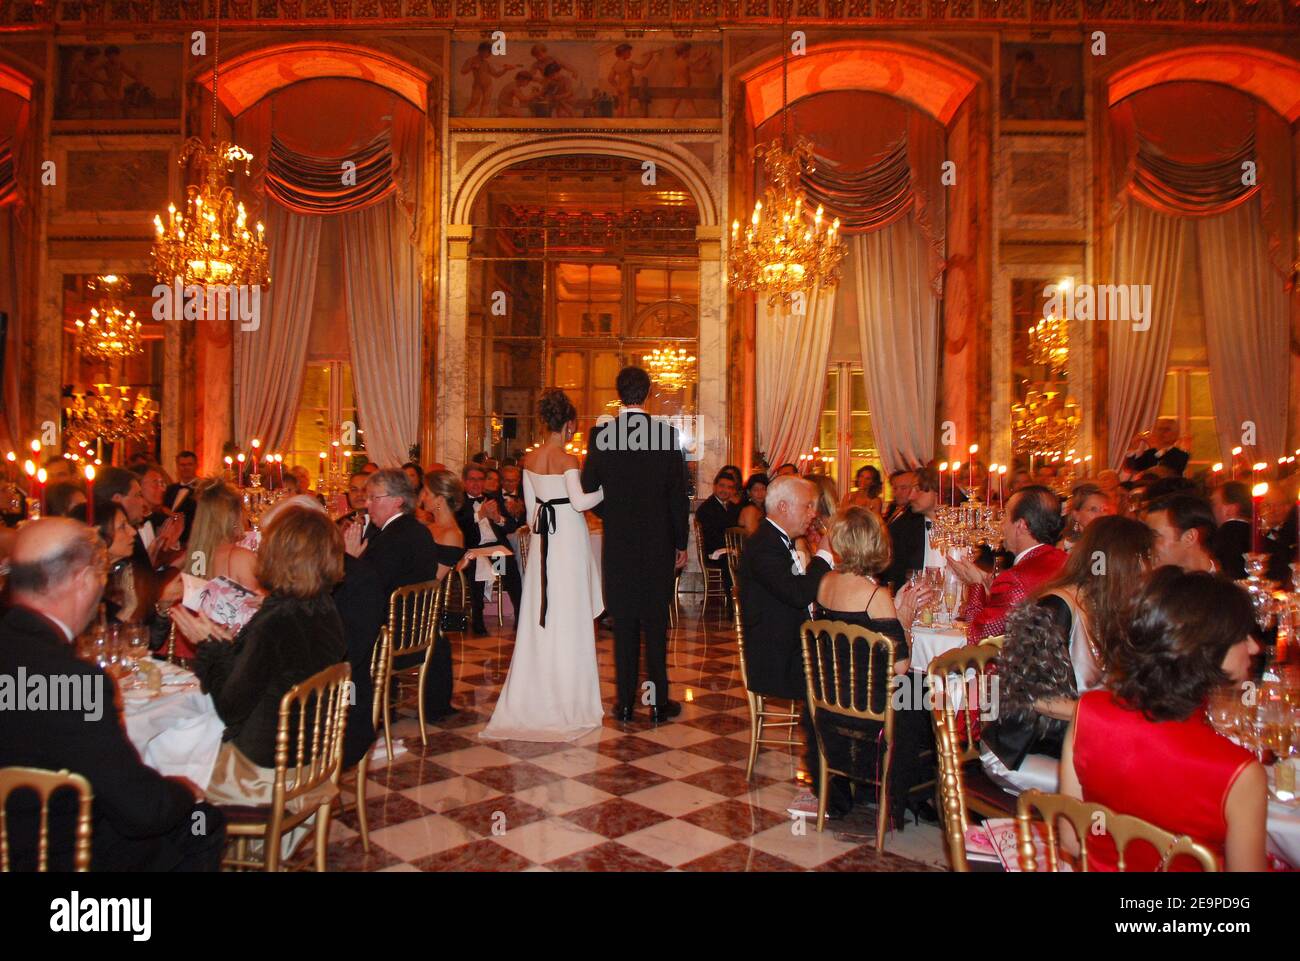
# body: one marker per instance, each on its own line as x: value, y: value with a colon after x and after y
x: 628, y: 797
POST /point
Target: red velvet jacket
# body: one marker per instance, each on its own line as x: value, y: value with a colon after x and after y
x: 986, y: 611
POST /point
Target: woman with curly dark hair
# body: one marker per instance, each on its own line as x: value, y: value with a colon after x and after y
x: 1144, y: 746
x: 1058, y: 647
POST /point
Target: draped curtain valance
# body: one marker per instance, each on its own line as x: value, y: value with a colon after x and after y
x: 330, y: 185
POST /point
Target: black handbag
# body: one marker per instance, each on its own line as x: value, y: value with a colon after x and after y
x: 453, y: 622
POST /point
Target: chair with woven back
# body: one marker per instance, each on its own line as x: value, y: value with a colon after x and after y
x: 412, y: 629
x: 760, y: 715
x: 711, y: 572
x: 735, y: 539
x: 308, y: 763
x: 960, y: 683
x: 1085, y: 817
x: 837, y: 690
x: 44, y: 784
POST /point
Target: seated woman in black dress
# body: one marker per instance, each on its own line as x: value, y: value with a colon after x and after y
x: 296, y: 634
x: 440, y: 497
x: 852, y: 594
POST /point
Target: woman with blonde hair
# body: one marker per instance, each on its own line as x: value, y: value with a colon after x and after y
x: 218, y: 524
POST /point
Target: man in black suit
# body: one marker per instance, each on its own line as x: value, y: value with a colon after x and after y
x: 1158, y: 448
x: 777, y: 592
x: 714, y: 516
x: 638, y: 461
x: 485, y: 520
x: 357, y: 505
x: 401, y: 551
x: 901, y: 483
x: 141, y: 820
x: 187, y: 479
x: 910, y: 531
x: 1231, y: 539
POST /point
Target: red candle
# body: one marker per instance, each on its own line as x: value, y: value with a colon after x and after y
x: 40, y: 481
x: 1256, y: 496
x: 942, y: 469
x: 90, y: 493
x: 952, y: 487
x: 240, y: 458
x: 970, y: 467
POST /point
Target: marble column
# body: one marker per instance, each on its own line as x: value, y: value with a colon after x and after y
x: 713, y: 360
x: 450, y: 375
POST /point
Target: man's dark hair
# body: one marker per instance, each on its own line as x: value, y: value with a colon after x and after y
x: 633, y: 385
x: 1236, y: 493
x: 791, y: 466
x: 419, y: 471
x: 42, y: 576
x: 187, y: 453
x: 1040, y: 509
x: 1187, y: 512
x: 464, y: 471
x: 113, y: 481
x: 480, y: 458
x: 725, y: 474
x: 927, y: 479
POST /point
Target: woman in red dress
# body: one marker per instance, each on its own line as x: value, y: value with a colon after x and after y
x: 1143, y: 745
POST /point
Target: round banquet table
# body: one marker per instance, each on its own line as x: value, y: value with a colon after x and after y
x: 177, y: 731
x: 929, y: 642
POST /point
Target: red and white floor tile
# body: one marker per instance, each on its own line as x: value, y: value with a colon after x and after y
x: 629, y: 797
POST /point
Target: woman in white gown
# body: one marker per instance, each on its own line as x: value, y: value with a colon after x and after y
x: 552, y: 692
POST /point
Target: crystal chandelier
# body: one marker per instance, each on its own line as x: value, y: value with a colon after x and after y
x: 670, y: 369
x: 112, y: 414
x: 1049, y: 339
x: 209, y: 242
x: 781, y: 250
x: 109, y: 332
x: 1046, y: 423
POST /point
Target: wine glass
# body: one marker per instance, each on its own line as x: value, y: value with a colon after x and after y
x: 137, y: 645
x: 1222, y: 709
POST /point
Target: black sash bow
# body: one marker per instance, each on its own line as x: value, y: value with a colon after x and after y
x: 545, y: 527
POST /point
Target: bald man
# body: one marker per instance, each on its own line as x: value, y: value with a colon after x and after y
x: 58, y: 712
x: 1158, y: 447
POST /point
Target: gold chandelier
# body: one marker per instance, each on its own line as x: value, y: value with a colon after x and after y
x: 782, y: 250
x: 109, y: 332
x: 670, y: 369
x: 209, y: 242
x: 1049, y: 339
x: 1046, y: 423
x: 112, y: 414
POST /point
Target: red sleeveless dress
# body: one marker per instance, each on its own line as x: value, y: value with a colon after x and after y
x: 1174, y: 774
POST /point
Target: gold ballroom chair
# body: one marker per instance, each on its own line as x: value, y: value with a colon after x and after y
x: 308, y: 762
x: 832, y: 676
x: 735, y: 540
x: 412, y: 628
x: 1123, y: 829
x: 356, y: 778
x: 761, y: 716
x: 44, y: 784
x: 714, y: 585
x: 963, y: 784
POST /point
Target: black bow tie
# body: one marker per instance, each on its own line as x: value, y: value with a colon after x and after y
x: 476, y: 500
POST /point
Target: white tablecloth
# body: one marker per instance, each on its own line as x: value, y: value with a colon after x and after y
x: 929, y: 642
x: 177, y: 732
x: 1283, y: 828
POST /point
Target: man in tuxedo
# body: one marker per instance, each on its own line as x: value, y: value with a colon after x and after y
x: 1157, y: 448
x: 187, y: 478
x: 1183, y: 525
x: 1280, y: 522
x: 901, y: 485
x: 777, y: 592
x: 357, y: 504
x: 1031, y: 525
x: 486, y: 521
x: 714, y: 516
x: 158, y: 518
x: 910, y: 531
x: 638, y: 462
x: 1231, y: 539
x: 117, y: 485
x: 141, y: 821
x: 401, y: 551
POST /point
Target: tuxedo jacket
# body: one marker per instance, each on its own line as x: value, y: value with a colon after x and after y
x: 1231, y: 540
x: 1174, y: 458
x: 402, y: 553
x: 1279, y: 543
x: 134, y: 807
x: 774, y: 604
x: 363, y: 609
x: 987, y: 611
x: 907, y: 537
x: 187, y: 508
x: 470, y: 529
x: 714, y: 519
x: 646, y: 512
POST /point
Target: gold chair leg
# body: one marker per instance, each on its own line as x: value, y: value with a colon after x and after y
x: 363, y: 766
x: 755, y: 728
x: 388, y: 709
x: 322, y: 836
x: 501, y: 617
x: 271, y: 852
x: 824, y: 780
x: 419, y: 702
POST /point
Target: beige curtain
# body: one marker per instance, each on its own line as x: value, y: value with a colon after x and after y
x: 1246, y: 330
x: 1148, y: 250
x: 382, y: 288
x: 898, y: 329
x: 269, y: 361
x: 791, y: 353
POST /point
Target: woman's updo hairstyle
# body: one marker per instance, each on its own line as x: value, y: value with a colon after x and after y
x: 556, y: 409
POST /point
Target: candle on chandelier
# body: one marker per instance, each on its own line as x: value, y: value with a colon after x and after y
x: 40, y: 481
x: 279, y: 470
x: 90, y: 493
x: 988, y: 483
x: 1236, y: 452
x: 1255, y: 469
x: 240, y: 458
x: 1087, y: 466
x: 970, y: 466
x: 11, y: 466
x: 1001, y: 470
x: 29, y: 468
x: 952, y: 487
x: 1216, y: 470
x: 1256, y: 497
x: 943, y: 468
x: 321, y: 471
